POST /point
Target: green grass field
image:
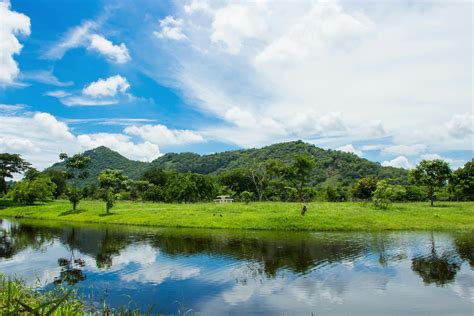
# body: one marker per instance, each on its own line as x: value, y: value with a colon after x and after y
x: 321, y: 216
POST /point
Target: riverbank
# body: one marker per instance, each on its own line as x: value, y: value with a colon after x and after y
x: 321, y: 216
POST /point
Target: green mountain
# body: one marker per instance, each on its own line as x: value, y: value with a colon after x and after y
x: 332, y: 166
x: 105, y: 158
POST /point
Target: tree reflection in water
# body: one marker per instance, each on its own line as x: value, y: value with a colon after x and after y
x: 72, y: 267
x: 434, y: 268
x: 266, y: 252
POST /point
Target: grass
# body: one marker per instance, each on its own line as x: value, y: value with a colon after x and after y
x: 321, y: 216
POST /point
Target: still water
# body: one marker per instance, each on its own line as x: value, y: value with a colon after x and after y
x: 213, y: 272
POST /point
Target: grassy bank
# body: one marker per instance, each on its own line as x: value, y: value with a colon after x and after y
x: 321, y: 216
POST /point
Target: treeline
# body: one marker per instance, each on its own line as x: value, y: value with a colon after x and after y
x: 270, y: 180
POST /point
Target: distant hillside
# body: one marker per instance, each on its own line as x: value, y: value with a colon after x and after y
x: 332, y: 166
x: 105, y: 158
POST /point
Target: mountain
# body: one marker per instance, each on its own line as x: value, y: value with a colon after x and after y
x: 332, y: 166
x: 105, y: 158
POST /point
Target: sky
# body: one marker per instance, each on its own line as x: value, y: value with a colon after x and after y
x: 390, y: 81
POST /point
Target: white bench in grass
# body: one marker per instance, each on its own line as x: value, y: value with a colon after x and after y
x: 223, y: 199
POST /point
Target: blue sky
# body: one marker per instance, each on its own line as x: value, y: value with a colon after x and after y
x: 390, y: 82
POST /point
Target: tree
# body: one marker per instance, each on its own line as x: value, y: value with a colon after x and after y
x: 258, y: 173
x: 59, y: 178
x: 10, y: 164
x: 461, y: 183
x: 385, y: 194
x: 364, y: 188
x: 111, y: 181
x: 26, y: 191
x: 431, y: 173
x: 75, y: 166
x: 298, y: 174
x: 246, y: 196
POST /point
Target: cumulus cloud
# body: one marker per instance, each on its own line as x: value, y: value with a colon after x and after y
x: 12, y: 24
x: 84, y: 36
x: 171, y: 29
x: 406, y: 150
x: 162, y: 135
x: 102, y: 92
x: 234, y: 23
x: 46, y: 137
x: 398, y: 162
x: 107, y: 87
x: 349, y: 148
x: 145, y: 151
x: 330, y: 72
x: 116, y: 53
x: 461, y: 125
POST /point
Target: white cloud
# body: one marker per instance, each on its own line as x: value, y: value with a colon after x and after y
x: 46, y: 137
x: 325, y: 28
x: 84, y: 36
x: 102, y: 92
x: 107, y: 87
x: 461, y: 126
x: 11, y: 108
x: 171, y: 29
x: 76, y: 37
x: 331, y: 72
x: 123, y: 144
x: 12, y: 24
x: 349, y: 148
x: 406, y: 150
x: 46, y: 77
x: 398, y: 162
x: 196, y: 6
x: 116, y: 53
x: 162, y: 135
x: 234, y: 23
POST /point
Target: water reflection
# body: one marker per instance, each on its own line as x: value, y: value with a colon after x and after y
x: 217, y: 272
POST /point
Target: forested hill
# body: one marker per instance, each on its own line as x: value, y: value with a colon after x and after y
x: 332, y: 166
x: 105, y: 158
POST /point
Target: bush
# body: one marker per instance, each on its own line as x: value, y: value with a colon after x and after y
x: 385, y: 194
x: 246, y: 197
x: 40, y: 188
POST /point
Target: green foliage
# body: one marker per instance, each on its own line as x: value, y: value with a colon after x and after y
x: 75, y: 166
x: 415, y: 193
x: 333, y: 194
x: 109, y: 199
x: 461, y: 183
x: 298, y: 174
x: 74, y: 196
x: 9, y: 165
x: 433, y: 174
x: 364, y: 188
x: 18, y: 299
x: 246, y: 197
x: 59, y: 178
x: 103, y: 158
x: 111, y: 182
x: 40, y: 188
x: 189, y: 187
x: 385, y: 194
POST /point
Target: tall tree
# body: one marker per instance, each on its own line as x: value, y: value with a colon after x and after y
x: 111, y: 181
x: 298, y: 174
x: 433, y: 174
x: 75, y: 166
x: 461, y: 183
x: 10, y: 164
